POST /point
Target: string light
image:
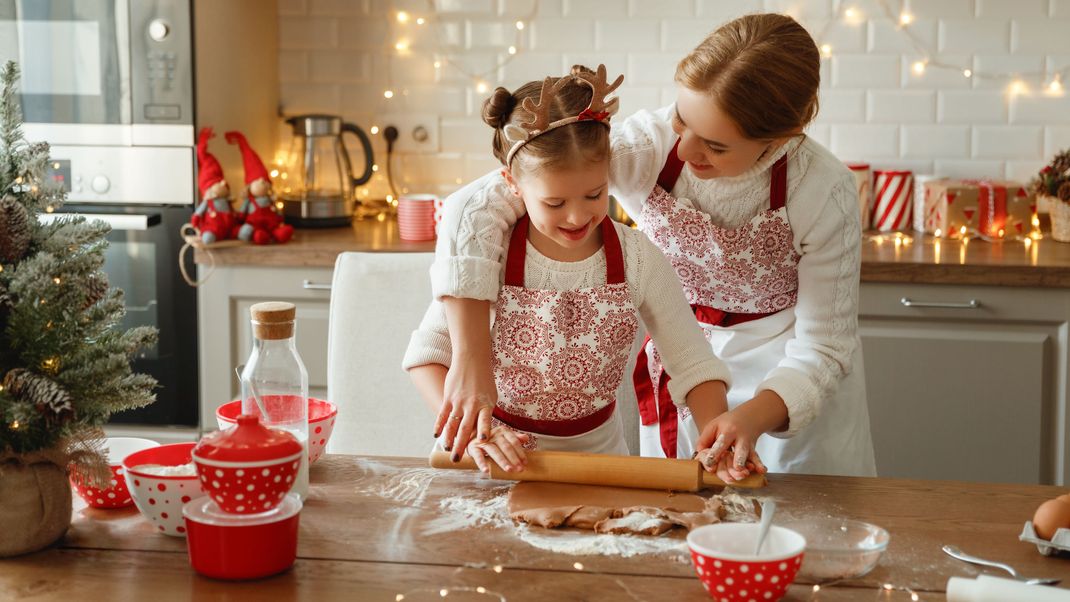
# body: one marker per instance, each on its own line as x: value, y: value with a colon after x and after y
x: 919, y: 67
x: 905, y: 18
x: 403, y: 17
x: 967, y: 73
x: 421, y: 21
x: 1056, y: 86
x: 520, y: 26
x: 375, y: 167
x: 481, y: 87
x: 826, y: 50
x: 512, y: 50
x: 388, y: 94
x: 402, y: 46
x: 56, y: 280
x: 374, y: 130
x: 15, y: 425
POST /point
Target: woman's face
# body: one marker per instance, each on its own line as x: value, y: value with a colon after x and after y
x: 710, y: 142
x: 566, y: 205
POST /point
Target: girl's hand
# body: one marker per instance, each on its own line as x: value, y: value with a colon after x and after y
x: 727, y: 446
x: 468, y: 398
x: 505, y: 446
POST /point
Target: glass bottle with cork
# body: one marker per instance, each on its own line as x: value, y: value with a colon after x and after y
x: 274, y: 382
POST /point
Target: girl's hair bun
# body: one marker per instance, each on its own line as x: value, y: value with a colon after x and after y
x: 498, y: 108
x: 578, y: 69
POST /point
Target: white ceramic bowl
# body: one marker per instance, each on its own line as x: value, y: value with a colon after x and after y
x: 160, y: 497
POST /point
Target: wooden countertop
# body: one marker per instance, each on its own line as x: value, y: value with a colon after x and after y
x: 376, y: 527
x: 918, y: 258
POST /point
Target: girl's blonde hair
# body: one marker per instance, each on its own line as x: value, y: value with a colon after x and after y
x: 762, y: 70
x: 567, y: 146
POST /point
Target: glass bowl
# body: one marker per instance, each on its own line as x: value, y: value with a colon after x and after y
x: 838, y: 548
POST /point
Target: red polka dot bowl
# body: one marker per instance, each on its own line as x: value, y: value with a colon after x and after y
x: 723, y: 555
x: 321, y: 418
x: 116, y: 494
x: 163, y: 479
x: 250, y: 468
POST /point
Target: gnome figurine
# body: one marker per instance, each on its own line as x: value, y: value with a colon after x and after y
x: 213, y: 216
x: 263, y: 223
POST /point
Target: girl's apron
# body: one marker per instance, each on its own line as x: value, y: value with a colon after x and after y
x: 560, y: 355
x: 743, y: 284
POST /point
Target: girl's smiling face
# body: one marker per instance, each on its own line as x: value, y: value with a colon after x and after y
x: 710, y: 142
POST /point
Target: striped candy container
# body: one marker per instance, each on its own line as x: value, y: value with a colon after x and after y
x: 893, y: 200
x: 864, y: 184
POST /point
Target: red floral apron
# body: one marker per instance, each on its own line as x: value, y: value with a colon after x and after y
x: 730, y: 276
x: 559, y: 356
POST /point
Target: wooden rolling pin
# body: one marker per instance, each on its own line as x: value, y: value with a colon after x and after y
x: 600, y: 469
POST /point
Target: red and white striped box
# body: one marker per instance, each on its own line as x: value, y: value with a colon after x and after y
x: 893, y: 200
x: 864, y: 184
x: 416, y: 217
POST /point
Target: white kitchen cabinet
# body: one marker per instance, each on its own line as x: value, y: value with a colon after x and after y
x: 225, y: 332
x: 967, y: 382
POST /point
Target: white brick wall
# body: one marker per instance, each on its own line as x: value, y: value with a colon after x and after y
x: 338, y: 56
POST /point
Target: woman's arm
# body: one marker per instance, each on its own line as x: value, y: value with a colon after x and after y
x: 469, y: 391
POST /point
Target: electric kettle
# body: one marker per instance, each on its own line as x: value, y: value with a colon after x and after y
x: 321, y: 188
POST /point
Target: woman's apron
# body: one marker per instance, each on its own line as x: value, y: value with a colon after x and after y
x: 743, y: 284
x: 559, y: 356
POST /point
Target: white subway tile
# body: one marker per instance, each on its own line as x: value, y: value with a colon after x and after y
x: 309, y: 98
x: 1042, y: 36
x: 806, y: 10
x: 424, y: 170
x: 1060, y: 8
x: 1058, y: 62
x: 558, y: 34
x: 885, y: 36
x: 821, y: 132
x: 668, y: 96
x: 901, y: 106
x: 336, y: 8
x: 412, y: 69
x: 478, y: 165
x: 381, y: 8
x: 451, y: 34
x: 292, y: 8
x: 844, y: 38
x: 297, y: 33
x: 932, y: 141
x: 470, y: 62
x: 465, y: 135
x: 1012, y: 8
x: 721, y: 11
x: 522, y: 8
x: 971, y: 169
x: 1056, y: 139
x: 340, y: 67
x: 936, y: 9
x: 293, y: 66
x: 864, y: 142
x: 634, y: 98
x: 681, y: 36
x: 595, y: 8
x: 1039, y: 108
x: 360, y: 34
x: 651, y: 68
x: 477, y: 7
x: 530, y: 66
x: 661, y: 9
x: 1005, y: 63
x: 616, y: 63
x: 971, y: 106
x: 915, y: 166
x: 937, y: 77
x: 973, y: 35
x: 630, y: 34
x: 1008, y: 142
x: 1022, y: 171
x: 447, y: 101
x: 865, y: 71
x: 490, y: 34
x: 841, y: 106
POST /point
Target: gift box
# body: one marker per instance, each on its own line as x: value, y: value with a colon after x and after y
x: 864, y: 184
x: 986, y: 207
x: 893, y: 204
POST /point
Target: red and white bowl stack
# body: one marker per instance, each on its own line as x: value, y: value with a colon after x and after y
x: 247, y: 526
x: 416, y: 217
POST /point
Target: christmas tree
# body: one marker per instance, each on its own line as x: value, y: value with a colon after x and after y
x: 64, y: 360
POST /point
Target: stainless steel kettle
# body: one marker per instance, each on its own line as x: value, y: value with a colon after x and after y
x: 321, y: 188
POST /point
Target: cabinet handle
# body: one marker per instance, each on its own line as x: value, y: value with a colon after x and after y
x: 312, y: 286
x: 971, y: 304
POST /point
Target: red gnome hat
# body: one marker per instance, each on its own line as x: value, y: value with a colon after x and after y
x: 254, y: 167
x: 209, y: 171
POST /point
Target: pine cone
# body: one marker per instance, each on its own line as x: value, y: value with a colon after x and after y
x: 14, y: 230
x: 47, y: 395
x: 96, y: 288
x: 1060, y: 164
x: 1064, y: 191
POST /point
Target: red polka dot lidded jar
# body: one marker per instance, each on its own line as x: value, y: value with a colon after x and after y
x: 724, y: 559
x: 248, y: 469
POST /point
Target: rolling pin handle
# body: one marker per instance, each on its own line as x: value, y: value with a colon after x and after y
x: 443, y: 459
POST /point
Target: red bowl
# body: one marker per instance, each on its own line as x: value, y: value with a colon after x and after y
x: 248, y: 487
x: 224, y: 546
x: 160, y: 497
x: 116, y: 494
x: 723, y: 555
x: 321, y: 417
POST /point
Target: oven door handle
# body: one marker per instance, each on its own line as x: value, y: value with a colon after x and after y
x: 117, y: 221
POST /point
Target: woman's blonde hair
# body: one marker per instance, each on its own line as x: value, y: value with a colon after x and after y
x: 762, y: 70
x: 576, y: 143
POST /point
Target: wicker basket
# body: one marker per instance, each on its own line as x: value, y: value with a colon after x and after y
x: 1060, y: 219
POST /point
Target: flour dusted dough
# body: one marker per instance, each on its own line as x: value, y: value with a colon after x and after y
x: 610, y: 509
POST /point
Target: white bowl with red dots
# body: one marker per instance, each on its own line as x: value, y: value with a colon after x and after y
x: 162, y: 479
x: 115, y: 494
x: 248, y: 469
x: 724, y: 559
x: 321, y: 417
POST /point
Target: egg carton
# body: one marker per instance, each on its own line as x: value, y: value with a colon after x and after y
x: 1059, y: 544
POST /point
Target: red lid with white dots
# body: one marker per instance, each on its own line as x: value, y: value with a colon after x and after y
x: 250, y: 441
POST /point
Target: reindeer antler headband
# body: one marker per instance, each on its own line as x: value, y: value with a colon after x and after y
x: 598, y: 110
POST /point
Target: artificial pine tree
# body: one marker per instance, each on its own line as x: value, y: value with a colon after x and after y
x: 64, y: 360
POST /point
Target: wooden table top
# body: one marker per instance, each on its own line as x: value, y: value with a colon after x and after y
x: 378, y: 526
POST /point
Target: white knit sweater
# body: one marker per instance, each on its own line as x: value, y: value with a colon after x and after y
x: 655, y: 292
x: 822, y: 209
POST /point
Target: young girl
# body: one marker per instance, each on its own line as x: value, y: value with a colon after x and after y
x: 762, y: 229
x: 575, y: 284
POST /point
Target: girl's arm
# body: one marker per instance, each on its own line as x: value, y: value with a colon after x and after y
x: 429, y: 379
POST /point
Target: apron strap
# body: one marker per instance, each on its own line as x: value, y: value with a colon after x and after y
x: 556, y: 428
x: 670, y: 172
x: 778, y: 184
x: 517, y: 253
x: 614, y: 253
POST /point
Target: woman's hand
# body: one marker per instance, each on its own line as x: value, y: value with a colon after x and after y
x: 505, y: 446
x: 468, y: 399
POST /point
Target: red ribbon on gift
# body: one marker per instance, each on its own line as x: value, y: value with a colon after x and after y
x: 589, y: 115
x: 991, y: 205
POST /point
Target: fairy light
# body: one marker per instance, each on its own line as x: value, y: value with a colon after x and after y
x: 962, y: 232
x: 375, y: 167
x: 274, y: 173
x: 402, y: 46
x: 497, y: 568
x: 482, y: 87
x: 374, y: 130
x: 1017, y: 87
x: 50, y: 209
x: 826, y: 50
x: 443, y: 592
x: 938, y: 233
x: 15, y: 425
x: 420, y: 20
x: 520, y: 26
x: 905, y: 18
x: 967, y: 73
x: 817, y: 588
x: 399, y: 597
x: 1056, y: 86
x: 578, y: 566
x: 438, y: 64
x: 512, y: 50
x: 388, y: 94
x: 403, y: 17
x: 918, y: 67
x: 390, y: 198
x: 1000, y: 233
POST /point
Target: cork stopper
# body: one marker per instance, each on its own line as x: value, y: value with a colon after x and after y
x: 273, y: 320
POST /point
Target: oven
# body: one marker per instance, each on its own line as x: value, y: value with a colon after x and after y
x: 109, y: 85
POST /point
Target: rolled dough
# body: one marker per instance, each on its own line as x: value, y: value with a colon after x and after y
x: 610, y: 509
